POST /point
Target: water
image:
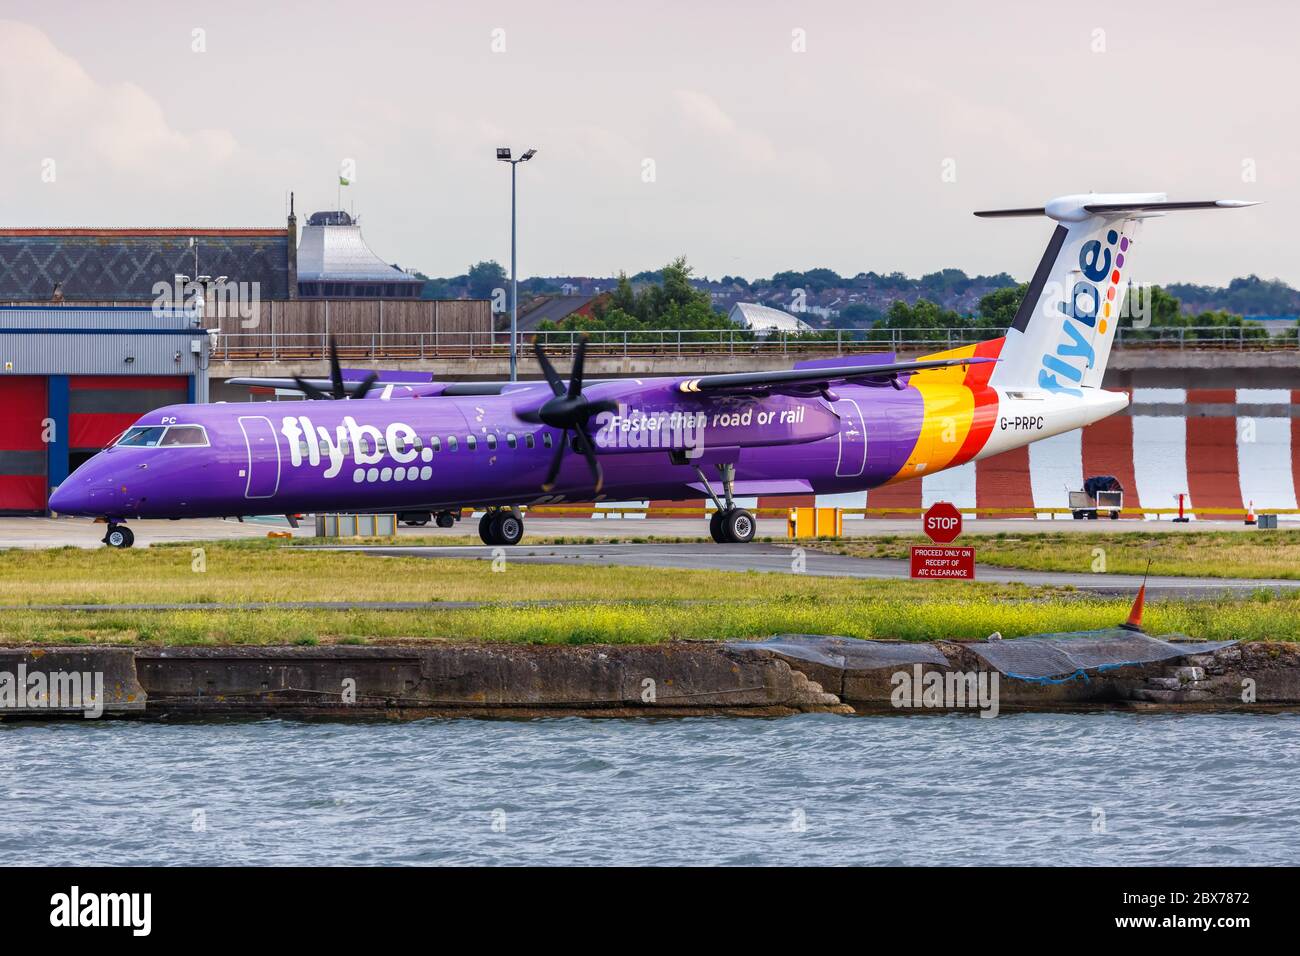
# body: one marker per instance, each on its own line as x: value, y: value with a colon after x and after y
x: 1025, y: 788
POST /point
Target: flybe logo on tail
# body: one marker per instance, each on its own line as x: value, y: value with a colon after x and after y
x: 1088, y: 308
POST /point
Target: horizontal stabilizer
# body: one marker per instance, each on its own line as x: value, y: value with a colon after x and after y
x: 1076, y: 208
x: 1008, y: 213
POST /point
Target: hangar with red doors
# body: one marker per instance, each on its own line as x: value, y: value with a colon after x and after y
x: 73, y: 378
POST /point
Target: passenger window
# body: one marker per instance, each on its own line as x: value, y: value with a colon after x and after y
x: 471, y: 442
x: 451, y: 443
x: 546, y: 439
x: 492, y: 442
x: 528, y: 440
x: 512, y: 441
x: 435, y: 444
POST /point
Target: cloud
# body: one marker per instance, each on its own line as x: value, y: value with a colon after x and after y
x: 703, y: 112
x: 49, y: 103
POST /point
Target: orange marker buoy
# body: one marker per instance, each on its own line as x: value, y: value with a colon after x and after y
x: 1250, y: 513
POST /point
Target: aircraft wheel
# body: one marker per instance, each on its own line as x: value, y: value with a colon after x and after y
x: 715, y: 527
x: 119, y: 536
x: 739, y: 526
x: 445, y: 519
x: 507, y: 527
x: 485, y: 527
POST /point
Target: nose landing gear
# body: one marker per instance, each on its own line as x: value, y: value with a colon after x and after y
x: 118, y: 536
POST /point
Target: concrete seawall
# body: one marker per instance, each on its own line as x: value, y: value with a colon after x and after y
x: 476, y: 680
x: 675, y: 679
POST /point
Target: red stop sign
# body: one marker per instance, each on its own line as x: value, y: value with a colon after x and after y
x: 942, y: 523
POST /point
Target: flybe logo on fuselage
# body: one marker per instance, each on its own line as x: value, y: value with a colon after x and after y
x: 364, y: 444
x: 1088, y: 310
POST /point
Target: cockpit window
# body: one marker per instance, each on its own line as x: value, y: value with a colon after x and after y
x: 160, y: 436
x: 185, y: 435
x: 143, y: 436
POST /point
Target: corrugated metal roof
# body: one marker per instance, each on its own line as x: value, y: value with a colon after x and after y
x: 107, y: 318
x: 66, y: 340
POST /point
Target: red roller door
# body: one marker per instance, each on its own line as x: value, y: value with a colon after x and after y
x: 103, y: 406
x: 22, y: 443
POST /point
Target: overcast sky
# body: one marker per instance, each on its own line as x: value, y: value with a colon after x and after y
x: 663, y: 128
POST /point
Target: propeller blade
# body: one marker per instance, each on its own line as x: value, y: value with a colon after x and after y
x: 548, y: 370
x: 336, y: 372
x: 556, y: 460
x: 311, y: 391
x: 579, y: 360
x: 366, y: 385
x: 530, y: 416
x: 583, y: 444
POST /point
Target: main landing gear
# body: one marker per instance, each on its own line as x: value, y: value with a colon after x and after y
x: 118, y: 536
x: 729, y: 524
x: 501, y: 526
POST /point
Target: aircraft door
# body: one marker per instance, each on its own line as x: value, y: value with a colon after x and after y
x: 263, y: 446
x: 853, y: 439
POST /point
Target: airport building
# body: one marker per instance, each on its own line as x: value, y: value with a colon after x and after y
x: 73, y: 378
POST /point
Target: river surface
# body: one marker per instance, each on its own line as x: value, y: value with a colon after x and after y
x: 1022, y: 788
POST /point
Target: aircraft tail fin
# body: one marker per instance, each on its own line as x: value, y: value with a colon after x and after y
x: 1061, y: 336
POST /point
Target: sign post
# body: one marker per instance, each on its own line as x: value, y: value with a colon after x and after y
x: 942, y: 524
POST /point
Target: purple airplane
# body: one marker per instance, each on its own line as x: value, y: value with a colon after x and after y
x: 822, y: 427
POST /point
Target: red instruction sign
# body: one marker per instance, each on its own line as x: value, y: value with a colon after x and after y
x: 933, y: 561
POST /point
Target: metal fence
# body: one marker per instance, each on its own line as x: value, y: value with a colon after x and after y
x: 410, y: 345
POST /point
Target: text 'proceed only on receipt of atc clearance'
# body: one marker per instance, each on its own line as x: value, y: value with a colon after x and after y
x: 943, y: 562
x: 942, y: 523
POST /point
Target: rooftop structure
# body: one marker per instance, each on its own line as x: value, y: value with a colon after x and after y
x: 335, y: 262
x: 762, y: 318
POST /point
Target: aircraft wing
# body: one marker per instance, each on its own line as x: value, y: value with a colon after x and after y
x: 816, y: 379
x: 399, y: 389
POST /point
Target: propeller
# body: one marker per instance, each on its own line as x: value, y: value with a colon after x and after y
x: 338, y: 388
x: 568, y: 410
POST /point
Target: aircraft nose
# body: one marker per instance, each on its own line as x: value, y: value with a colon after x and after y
x: 91, y: 491
x: 69, y: 500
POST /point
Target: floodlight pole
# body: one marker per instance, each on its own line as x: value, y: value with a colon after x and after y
x: 503, y: 155
x: 514, y: 281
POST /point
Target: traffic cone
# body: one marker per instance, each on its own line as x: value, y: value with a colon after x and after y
x: 1250, y: 513
x: 1134, y: 622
